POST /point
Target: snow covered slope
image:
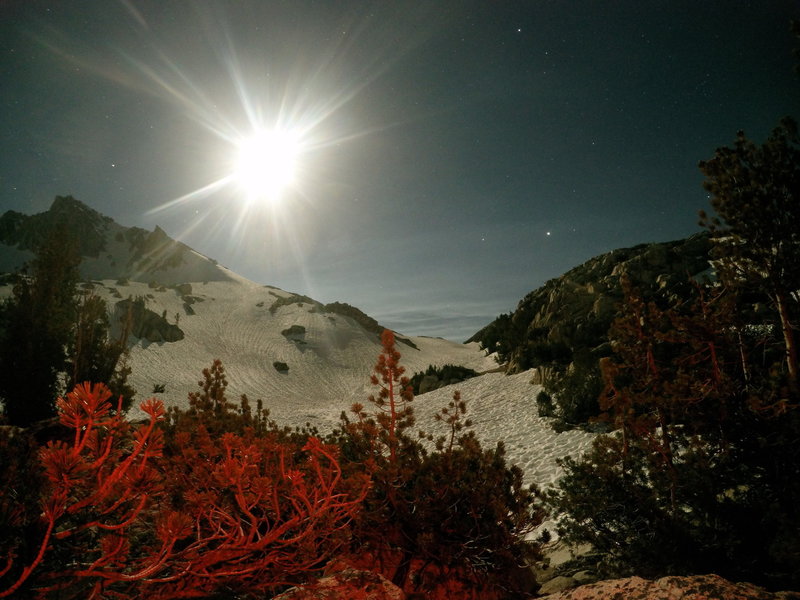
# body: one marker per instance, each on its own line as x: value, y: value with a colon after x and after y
x: 329, y: 356
x: 503, y: 408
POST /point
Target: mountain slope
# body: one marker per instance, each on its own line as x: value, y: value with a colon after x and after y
x: 290, y: 350
x: 571, y: 314
x: 328, y: 357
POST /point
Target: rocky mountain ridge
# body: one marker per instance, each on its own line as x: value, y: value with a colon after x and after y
x: 108, y: 250
x: 572, y: 313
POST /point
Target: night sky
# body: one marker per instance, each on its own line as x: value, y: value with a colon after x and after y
x: 454, y: 155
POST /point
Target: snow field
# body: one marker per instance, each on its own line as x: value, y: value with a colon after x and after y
x: 329, y: 365
x: 503, y: 408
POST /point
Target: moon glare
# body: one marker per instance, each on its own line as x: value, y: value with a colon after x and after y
x: 266, y: 164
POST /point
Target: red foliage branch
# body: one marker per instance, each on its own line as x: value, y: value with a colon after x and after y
x: 255, y: 512
x: 242, y: 511
x: 97, y: 485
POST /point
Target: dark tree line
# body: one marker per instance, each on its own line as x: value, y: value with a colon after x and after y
x: 52, y: 336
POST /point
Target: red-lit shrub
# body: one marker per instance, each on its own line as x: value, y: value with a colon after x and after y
x: 255, y: 511
x: 119, y: 519
x: 257, y: 507
x: 447, y: 523
x: 97, y: 487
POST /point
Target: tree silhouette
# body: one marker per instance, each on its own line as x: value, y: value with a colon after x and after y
x: 755, y: 192
x: 37, y: 327
x: 93, y: 354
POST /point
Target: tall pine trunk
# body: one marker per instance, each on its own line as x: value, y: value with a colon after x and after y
x: 790, y: 345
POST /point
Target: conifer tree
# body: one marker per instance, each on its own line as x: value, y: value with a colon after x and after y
x: 51, y: 338
x: 695, y: 478
x: 93, y: 354
x: 451, y: 522
x: 755, y: 191
x: 37, y: 324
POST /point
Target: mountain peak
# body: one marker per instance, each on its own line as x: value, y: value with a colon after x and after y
x: 67, y: 205
x: 108, y: 250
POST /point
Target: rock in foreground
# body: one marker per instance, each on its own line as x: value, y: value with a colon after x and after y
x: 349, y: 584
x: 697, y: 587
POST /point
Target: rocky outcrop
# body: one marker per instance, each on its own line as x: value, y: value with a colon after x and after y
x: 696, y: 587
x: 337, y: 308
x: 367, y: 322
x: 144, y: 323
x: 295, y: 333
x: 349, y: 584
x: 573, y: 312
x: 428, y: 384
x: 437, y: 377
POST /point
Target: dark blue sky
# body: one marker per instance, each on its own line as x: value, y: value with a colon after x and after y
x: 458, y: 154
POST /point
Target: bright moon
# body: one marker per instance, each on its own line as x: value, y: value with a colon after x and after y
x: 265, y: 164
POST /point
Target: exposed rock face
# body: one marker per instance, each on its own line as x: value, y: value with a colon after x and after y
x: 280, y: 367
x: 335, y: 308
x: 434, y: 378
x: 697, y: 587
x: 295, y: 333
x: 429, y: 383
x: 349, y: 584
x: 574, y: 311
x: 144, y: 323
x: 367, y: 322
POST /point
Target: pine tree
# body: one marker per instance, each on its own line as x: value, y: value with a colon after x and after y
x: 697, y: 477
x: 37, y: 327
x: 51, y: 338
x: 94, y: 354
x: 450, y: 522
x: 755, y: 191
